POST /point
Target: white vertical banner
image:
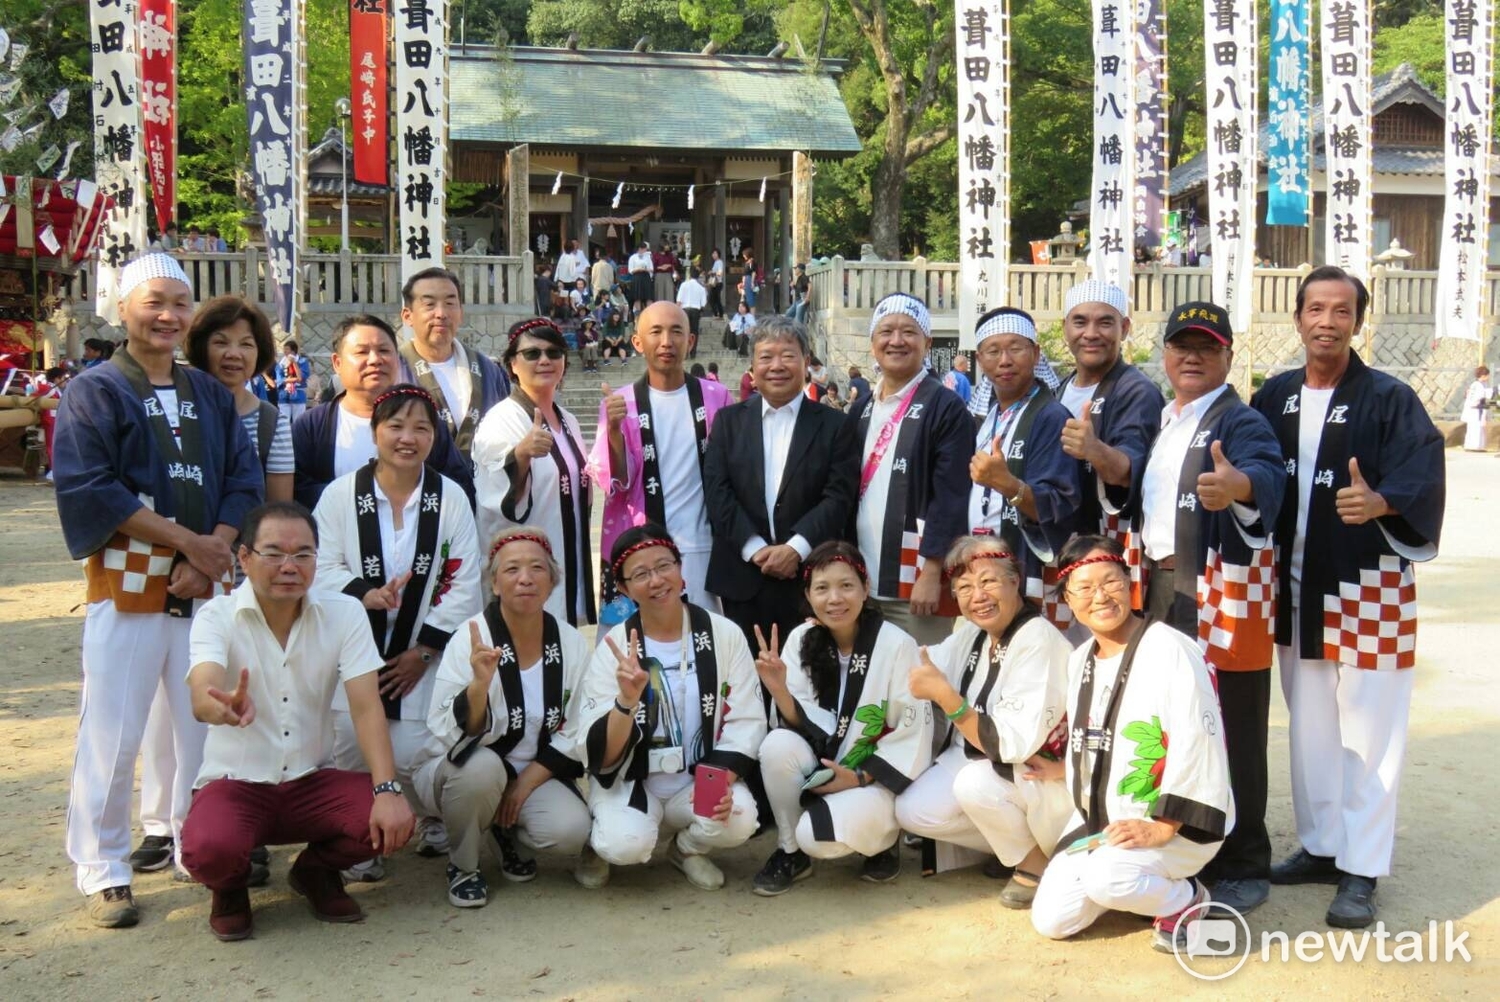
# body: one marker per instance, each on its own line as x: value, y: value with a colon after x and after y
x: 1111, y: 199
x: 1345, y: 41
x: 421, y: 100
x: 983, y: 54
x: 118, y: 156
x: 1231, y: 89
x: 1469, y: 43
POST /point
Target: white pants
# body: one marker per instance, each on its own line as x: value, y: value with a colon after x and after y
x: 625, y: 836
x: 1014, y: 817
x: 695, y: 578
x: 1076, y: 889
x: 553, y: 818
x: 407, y: 739
x: 126, y: 658
x: 863, y: 820
x: 929, y: 808
x: 1348, y: 740
x: 292, y: 411
x: 158, y: 768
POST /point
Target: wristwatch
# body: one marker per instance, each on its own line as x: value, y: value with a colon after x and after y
x: 426, y: 657
x: 389, y: 786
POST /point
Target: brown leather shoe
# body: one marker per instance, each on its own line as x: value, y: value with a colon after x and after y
x: 324, y: 890
x: 229, y: 918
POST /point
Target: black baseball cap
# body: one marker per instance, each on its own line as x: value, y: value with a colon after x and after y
x: 1200, y: 316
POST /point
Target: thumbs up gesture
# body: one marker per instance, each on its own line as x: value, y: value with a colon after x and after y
x: 927, y: 681
x: 538, y: 441
x: 235, y: 709
x: 1224, y: 484
x: 1359, y: 502
x: 1078, y: 438
x: 614, y: 407
x: 989, y: 469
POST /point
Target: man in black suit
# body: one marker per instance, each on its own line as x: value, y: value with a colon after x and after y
x: 780, y: 477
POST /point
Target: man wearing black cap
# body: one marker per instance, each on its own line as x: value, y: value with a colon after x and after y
x: 1207, y: 499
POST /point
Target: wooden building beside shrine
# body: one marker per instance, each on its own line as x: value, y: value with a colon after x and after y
x: 1407, y: 150
x: 551, y: 135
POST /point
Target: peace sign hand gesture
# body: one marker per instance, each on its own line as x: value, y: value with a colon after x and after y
x: 768, y: 663
x: 236, y: 709
x: 632, y: 678
x: 483, y: 659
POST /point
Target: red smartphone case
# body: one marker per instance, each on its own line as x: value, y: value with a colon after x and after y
x: 710, y: 783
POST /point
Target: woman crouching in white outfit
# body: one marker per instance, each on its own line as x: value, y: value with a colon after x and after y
x: 501, y: 765
x: 851, y: 735
x: 997, y: 786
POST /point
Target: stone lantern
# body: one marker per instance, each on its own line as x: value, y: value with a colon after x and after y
x: 1063, y: 248
x: 1394, y: 257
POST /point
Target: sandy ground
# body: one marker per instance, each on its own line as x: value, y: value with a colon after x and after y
x: 650, y: 935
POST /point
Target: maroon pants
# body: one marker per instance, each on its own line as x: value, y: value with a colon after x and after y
x: 328, y: 809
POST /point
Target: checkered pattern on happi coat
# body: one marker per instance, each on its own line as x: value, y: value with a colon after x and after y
x: 1237, y: 611
x: 1373, y: 624
x: 1119, y: 530
x: 1042, y: 593
x: 131, y: 571
x: 911, y: 563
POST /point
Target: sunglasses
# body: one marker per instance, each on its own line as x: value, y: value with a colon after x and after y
x: 532, y: 354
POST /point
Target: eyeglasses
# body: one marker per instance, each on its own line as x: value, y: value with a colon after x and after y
x: 1013, y: 352
x: 1201, y: 350
x: 302, y: 559
x: 645, y: 574
x: 1114, y: 587
x: 532, y: 354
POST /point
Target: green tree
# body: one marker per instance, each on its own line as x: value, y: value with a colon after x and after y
x: 1418, y: 41
x: 56, y: 33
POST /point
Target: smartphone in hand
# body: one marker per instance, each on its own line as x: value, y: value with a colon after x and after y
x: 710, y: 784
x: 818, y: 778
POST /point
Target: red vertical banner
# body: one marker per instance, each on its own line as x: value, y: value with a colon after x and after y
x: 367, y: 77
x: 157, y: 26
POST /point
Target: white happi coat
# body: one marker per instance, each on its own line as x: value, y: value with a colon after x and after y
x: 457, y: 565
x: 542, y: 505
x: 447, y: 738
x: 1164, y: 758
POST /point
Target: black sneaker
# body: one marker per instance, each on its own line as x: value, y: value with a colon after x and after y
x: 1302, y: 867
x: 1354, y: 905
x: 154, y: 853
x: 513, y: 866
x: 781, y: 871
x: 467, y: 889
x: 883, y: 867
x: 260, y: 867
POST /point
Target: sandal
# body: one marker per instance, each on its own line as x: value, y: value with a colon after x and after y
x: 1018, y: 895
x: 513, y: 866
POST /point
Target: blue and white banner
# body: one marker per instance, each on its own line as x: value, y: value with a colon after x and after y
x: 274, y: 80
x: 1230, y: 82
x: 1112, y: 191
x: 982, y: 49
x: 422, y: 130
x: 1347, y: 120
x: 1469, y: 30
x: 1289, y: 183
x: 1151, y: 174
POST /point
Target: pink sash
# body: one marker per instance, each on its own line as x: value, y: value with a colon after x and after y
x: 883, y: 440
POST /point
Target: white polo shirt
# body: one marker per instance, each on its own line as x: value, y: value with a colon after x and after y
x: 292, y: 689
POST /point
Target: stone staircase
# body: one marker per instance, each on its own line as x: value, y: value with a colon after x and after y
x: 581, y: 392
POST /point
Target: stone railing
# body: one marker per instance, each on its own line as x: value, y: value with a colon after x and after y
x: 1397, y: 336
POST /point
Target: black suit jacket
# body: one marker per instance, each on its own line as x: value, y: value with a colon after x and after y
x: 819, y: 489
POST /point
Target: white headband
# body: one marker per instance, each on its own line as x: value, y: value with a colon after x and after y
x: 900, y: 302
x: 1095, y: 291
x: 143, y: 269
x: 1015, y: 323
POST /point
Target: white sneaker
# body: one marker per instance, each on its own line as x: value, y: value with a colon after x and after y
x: 699, y: 870
x: 592, y: 871
x: 368, y: 872
x: 432, y: 838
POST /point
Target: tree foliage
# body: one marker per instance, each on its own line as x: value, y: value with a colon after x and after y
x: 56, y: 34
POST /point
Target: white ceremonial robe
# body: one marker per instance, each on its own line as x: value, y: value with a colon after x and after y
x: 875, y: 724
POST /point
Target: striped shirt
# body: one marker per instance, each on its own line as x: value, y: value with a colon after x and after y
x: 280, y: 458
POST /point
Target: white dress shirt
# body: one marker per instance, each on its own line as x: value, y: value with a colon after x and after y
x: 292, y: 688
x: 692, y: 295
x: 1164, y: 470
x: 871, y: 516
x: 639, y: 261
x: 776, y: 427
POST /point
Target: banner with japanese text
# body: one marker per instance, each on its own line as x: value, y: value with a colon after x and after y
x: 158, y: 40
x: 1288, y: 182
x: 422, y: 125
x: 1151, y: 175
x: 1470, y: 92
x: 1111, y: 195
x: 117, y: 136
x: 274, y: 75
x: 368, y: 56
x: 983, y: 53
x: 1230, y: 82
x: 1347, y: 125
